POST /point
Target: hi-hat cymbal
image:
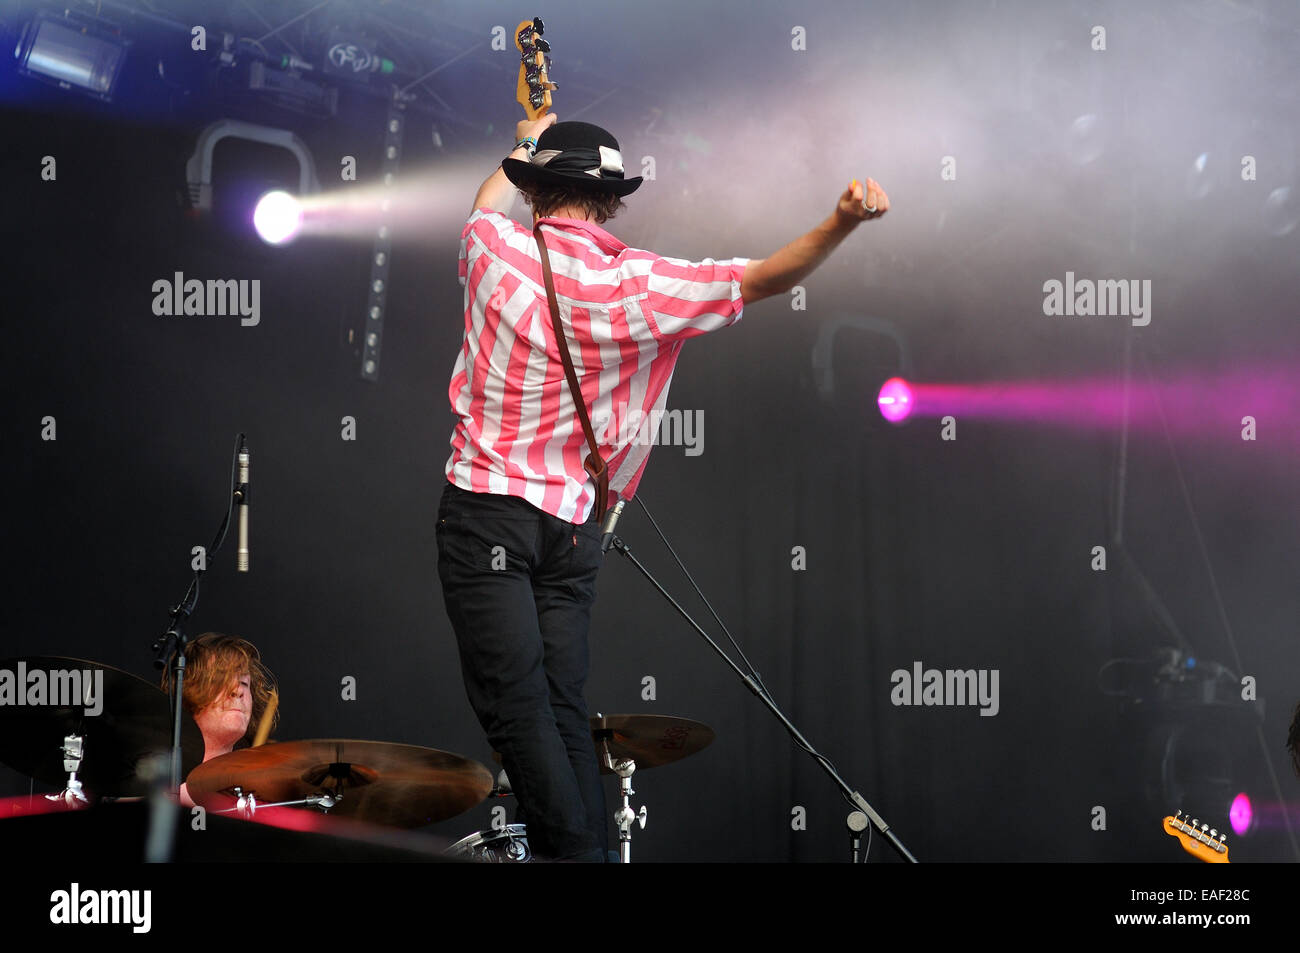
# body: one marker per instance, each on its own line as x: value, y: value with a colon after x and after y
x: 134, y: 720
x: 649, y: 740
x: 393, y: 784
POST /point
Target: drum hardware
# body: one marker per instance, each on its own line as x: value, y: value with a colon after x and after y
x: 623, y: 817
x: 100, y: 754
x: 246, y: 803
x: 502, y: 786
x: 508, y: 845
x: 72, y: 795
x: 625, y: 742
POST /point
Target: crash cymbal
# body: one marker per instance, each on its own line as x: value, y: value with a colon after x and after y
x: 131, y: 719
x: 650, y: 740
x: 397, y: 785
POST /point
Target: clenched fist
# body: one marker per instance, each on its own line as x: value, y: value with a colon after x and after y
x: 859, y: 207
x: 534, y: 127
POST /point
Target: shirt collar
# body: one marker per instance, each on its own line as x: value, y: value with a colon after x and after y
x: 603, y: 239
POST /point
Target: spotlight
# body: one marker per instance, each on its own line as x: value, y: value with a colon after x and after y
x: 277, y: 218
x: 72, y: 56
x: 1241, y: 814
x: 895, y: 400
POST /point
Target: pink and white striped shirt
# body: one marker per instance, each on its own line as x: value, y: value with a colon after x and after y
x: 626, y: 313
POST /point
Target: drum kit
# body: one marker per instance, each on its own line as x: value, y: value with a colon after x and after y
x: 377, y: 783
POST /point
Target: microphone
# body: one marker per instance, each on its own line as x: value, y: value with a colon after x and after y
x: 241, y: 493
x: 607, y: 531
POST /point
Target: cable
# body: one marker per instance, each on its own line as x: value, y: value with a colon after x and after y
x: 191, y: 597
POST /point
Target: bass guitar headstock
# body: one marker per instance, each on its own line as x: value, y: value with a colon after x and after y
x: 533, y: 91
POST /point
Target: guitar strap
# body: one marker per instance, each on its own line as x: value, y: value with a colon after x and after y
x: 594, y: 464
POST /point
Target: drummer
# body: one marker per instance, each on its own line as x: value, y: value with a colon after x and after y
x: 227, y: 689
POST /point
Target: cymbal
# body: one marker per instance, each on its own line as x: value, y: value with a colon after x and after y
x: 650, y: 740
x: 397, y: 785
x: 135, y: 720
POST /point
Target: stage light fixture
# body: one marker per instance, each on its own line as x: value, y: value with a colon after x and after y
x: 198, y: 170
x: 1241, y: 814
x: 372, y: 336
x: 895, y: 400
x: 72, y: 55
x: 277, y: 218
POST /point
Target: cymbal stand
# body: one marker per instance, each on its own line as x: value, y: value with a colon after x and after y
x: 623, y: 817
x: 72, y: 795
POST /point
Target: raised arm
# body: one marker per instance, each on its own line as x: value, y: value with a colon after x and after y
x: 498, y: 192
x: 780, y: 272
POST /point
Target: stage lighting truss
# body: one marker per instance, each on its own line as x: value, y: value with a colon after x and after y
x: 289, y: 90
x: 381, y: 252
x: 73, y: 52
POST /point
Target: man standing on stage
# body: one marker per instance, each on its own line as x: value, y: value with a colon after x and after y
x: 518, y: 541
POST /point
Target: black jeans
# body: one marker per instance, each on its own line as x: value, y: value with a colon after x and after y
x: 519, y: 585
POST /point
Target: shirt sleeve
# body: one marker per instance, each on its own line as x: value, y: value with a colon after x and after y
x: 488, y: 230
x: 686, y: 298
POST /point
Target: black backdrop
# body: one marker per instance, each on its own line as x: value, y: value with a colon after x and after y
x: 971, y: 553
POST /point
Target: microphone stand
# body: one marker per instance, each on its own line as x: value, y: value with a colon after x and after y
x: 170, y: 646
x: 755, y: 686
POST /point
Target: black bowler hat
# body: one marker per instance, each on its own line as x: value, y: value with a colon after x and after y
x: 573, y: 153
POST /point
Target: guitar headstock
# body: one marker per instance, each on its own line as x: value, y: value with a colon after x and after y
x: 534, y: 88
x: 1200, y: 840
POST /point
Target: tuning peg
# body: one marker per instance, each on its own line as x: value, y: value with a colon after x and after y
x: 1214, y: 833
x: 539, y: 26
x: 542, y: 45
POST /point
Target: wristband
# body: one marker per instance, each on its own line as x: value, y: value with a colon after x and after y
x: 528, y: 143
